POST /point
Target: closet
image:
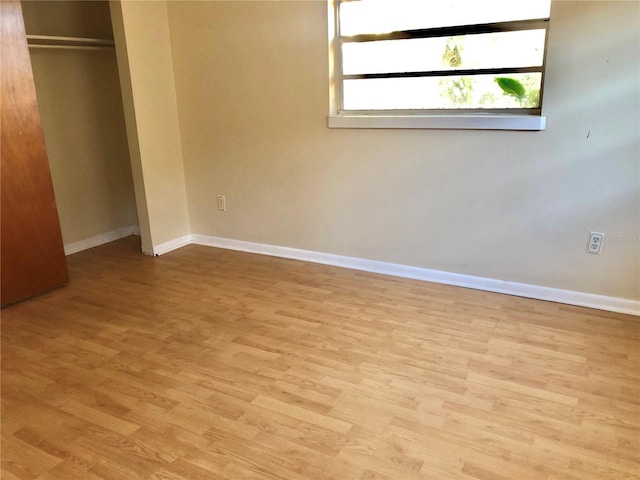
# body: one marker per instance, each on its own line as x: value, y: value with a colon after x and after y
x: 83, y: 155
x: 78, y: 89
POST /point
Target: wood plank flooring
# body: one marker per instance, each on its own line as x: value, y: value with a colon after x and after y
x: 212, y: 364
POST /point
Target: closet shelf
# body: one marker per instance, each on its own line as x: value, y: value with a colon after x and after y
x: 50, y: 41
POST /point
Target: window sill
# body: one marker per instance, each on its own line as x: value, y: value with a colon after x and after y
x: 452, y: 122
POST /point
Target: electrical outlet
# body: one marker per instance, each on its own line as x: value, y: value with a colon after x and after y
x: 222, y: 204
x: 596, y: 239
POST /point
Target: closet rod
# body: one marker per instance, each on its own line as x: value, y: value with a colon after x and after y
x: 49, y: 41
x: 70, y: 47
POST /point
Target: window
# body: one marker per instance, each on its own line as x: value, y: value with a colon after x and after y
x: 440, y: 64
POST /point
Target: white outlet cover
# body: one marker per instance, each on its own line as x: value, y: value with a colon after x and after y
x: 594, y: 245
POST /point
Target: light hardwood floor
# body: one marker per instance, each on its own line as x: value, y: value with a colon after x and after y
x: 211, y: 364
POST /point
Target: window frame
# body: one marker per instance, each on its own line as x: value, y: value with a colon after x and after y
x: 489, y: 119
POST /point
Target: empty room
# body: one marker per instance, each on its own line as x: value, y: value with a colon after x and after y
x: 320, y: 240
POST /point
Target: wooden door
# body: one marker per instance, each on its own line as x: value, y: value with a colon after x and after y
x: 32, y: 253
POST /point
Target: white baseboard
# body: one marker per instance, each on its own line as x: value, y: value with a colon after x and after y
x: 172, y: 245
x: 582, y: 299
x: 101, y: 239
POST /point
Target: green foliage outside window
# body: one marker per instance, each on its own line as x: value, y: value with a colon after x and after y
x: 460, y: 92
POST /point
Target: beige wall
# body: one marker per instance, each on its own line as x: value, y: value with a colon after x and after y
x: 67, y: 18
x: 83, y: 122
x: 141, y: 32
x: 252, y: 89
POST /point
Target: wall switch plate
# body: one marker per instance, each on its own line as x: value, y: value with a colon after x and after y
x: 596, y: 239
x: 222, y: 204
